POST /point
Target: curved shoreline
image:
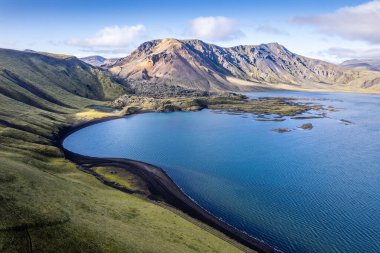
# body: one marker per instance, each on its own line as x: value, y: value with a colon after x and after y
x: 161, y: 187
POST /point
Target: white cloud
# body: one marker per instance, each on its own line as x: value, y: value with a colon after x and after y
x: 361, y: 22
x: 111, y: 37
x: 271, y: 30
x: 217, y: 28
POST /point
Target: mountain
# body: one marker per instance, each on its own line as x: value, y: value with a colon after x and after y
x: 43, y: 79
x: 97, y: 60
x: 369, y: 64
x: 94, y: 60
x: 199, y: 65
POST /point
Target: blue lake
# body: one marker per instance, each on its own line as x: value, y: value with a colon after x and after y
x: 303, y: 191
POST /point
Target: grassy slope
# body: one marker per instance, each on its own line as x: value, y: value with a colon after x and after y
x: 122, y: 177
x: 48, y: 204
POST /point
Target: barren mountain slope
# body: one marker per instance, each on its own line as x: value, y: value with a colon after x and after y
x: 196, y: 64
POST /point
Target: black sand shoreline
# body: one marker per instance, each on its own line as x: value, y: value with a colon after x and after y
x: 161, y: 186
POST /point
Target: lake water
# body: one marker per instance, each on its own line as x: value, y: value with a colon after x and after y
x: 303, y: 191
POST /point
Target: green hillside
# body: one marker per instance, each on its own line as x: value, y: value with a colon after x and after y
x: 46, y: 203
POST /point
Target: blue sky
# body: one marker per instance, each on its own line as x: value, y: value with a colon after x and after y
x: 329, y: 30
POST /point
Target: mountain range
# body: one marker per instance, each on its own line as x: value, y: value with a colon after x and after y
x: 198, y: 65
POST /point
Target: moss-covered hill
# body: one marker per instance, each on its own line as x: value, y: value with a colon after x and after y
x: 46, y: 203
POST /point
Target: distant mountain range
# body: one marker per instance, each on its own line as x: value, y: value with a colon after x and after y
x: 369, y: 64
x: 198, y: 65
x: 98, y: 61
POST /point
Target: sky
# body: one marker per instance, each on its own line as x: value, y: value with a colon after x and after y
x: 332, y: 30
